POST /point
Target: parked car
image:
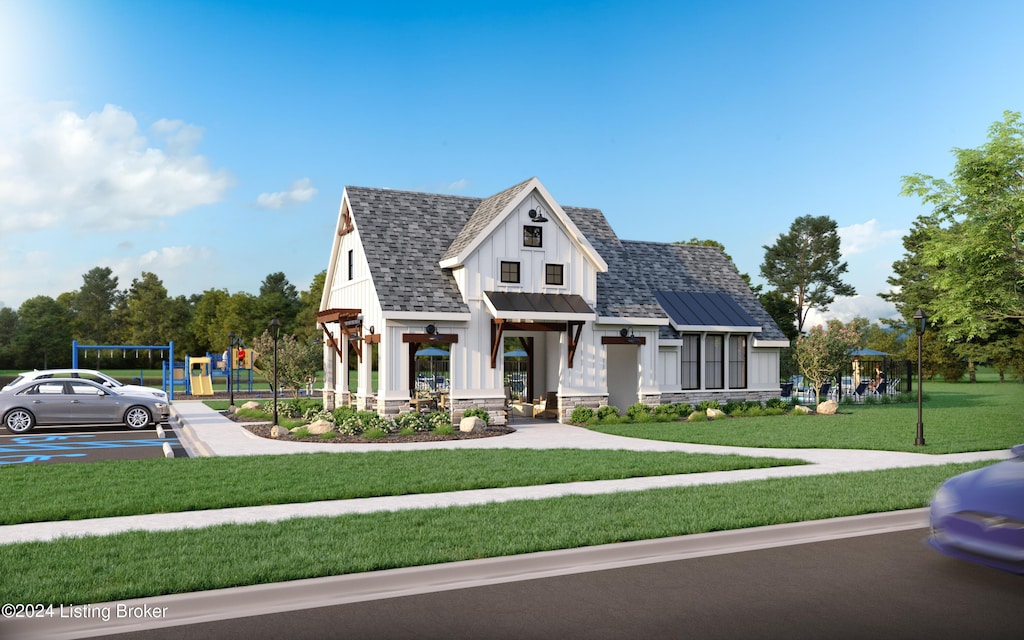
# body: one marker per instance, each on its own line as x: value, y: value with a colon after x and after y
x: 74, y: 401
x: 86, y: 374
x: 979, y: 515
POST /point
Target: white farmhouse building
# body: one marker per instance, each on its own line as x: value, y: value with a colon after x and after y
x: 601, y: 320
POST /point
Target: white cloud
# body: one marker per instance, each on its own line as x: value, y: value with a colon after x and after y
x: 458, y: 185
x: 61, y: 170
x: 300, y: 191
x: 866, y: 237
x: 846, y: 309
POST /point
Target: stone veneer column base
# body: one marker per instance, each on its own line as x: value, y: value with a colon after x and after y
x: 495, y: 408
x: 391, y: 407
x: 566, y: 404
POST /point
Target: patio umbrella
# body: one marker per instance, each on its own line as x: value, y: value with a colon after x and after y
x: 432, y: 352
x: 868, y: 352
x: 518, y: 353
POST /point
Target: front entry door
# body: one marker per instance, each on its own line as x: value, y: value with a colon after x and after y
x: 623, y: 375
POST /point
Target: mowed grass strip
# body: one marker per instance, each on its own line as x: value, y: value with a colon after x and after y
x: 984, y: 416
x: 139, y: 564
x: 40, y: 493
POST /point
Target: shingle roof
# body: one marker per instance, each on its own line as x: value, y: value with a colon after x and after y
x: 406, y: 234
x: 485, y: 212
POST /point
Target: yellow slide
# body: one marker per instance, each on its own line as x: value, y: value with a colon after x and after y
x: 199, y: 377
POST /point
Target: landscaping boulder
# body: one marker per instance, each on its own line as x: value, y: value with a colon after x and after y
x: 277, y: 431
x: 252, y: 404
x: 472, y: 424
x: 828, y: 408
x: 319, y: 427
x: 801, y: 409
x: 715, y: 413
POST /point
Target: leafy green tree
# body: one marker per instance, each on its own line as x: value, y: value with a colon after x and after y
x: 804, y: 264
x: 92, y: 306
x: 8, y: 328
x: 278, y: 299
x: 298, y: 361
x: 147, y: 312
x: 820, y: 353
x: 975, y: 263
x: 42, y: 339
x: 305, y: 321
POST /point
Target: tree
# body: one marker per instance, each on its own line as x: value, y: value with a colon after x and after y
x: 43, y: 336
x: 8, y: 328
x: 278, y: 299
x: 298, y: 361
x: 804, y: 265
x: 305, y: 321
x: 92, y: 306
x: 821, y: 353
x: 147, y: 312
x: 974, y: 263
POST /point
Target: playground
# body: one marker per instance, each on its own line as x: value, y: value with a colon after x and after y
x: 195, y: 376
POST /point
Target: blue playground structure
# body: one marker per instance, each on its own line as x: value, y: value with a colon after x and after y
x: 194, y: 376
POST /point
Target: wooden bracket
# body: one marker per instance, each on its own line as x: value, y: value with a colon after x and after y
x: 497, y: 330
x: 574, y: 337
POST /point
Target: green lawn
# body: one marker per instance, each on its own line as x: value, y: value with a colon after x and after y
x: 139, y: 564
x: 957, y: 417
x: 40, y: 493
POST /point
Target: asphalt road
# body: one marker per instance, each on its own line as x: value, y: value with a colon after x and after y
x: 49, y: 445
x: 876, y: 586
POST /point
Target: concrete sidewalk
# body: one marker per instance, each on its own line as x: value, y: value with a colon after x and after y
x: 204, y: 432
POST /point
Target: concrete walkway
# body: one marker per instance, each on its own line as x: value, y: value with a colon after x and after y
x: 204, y: 432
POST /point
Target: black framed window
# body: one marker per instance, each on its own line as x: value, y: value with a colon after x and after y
x: 509, y: 271
x: 737, y: 362
x: 714, y: 361
x: 533, y: 236
x: 351, y: 264
x: 554, y: 274
x: 691, y: 362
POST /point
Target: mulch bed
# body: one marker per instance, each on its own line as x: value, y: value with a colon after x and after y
x: 262, y: 429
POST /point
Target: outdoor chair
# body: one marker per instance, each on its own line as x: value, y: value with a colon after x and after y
x: 860, y: 391
x: 786, y: 392
x: 508, y: 405
x: 881, y: 388
x: 548, y: 408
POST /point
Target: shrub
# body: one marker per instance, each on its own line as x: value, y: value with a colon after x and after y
x: 638, y: 412
x: 445, y: 429
x: 682, y: 409
x: 301, y: 432
x: 340, y: 413
x: 439, y: 419
x: 708, y: 404
x: 732, y: 407
x: 607, y: 411
x: 313, y: 414
x: 411, y: 422
x: 775, y: 403
x: 479, y: 412
x: 374, y: 433
x: 581, y: 415
x: 328, y: 435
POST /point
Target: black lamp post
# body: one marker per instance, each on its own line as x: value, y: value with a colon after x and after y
x: 275, y: 331
x: 921, y: 319
x: 231, y: 355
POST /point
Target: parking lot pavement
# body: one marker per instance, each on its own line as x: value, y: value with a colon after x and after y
x: 86, y: 444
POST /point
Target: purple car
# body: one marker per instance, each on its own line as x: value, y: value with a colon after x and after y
x: 979, y: 515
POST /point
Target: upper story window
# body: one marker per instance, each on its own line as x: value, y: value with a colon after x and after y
x: 351, y: 264
x: 509, y: 271
x: 554, y: 274
x: 533, y: 236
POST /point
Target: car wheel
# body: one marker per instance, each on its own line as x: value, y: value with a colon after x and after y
x: 137, y: 417
x: 19, y: 421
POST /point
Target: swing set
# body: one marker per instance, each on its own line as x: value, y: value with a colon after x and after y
x: 173, y: 373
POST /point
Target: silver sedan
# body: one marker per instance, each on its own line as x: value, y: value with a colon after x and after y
x: 57, y: 401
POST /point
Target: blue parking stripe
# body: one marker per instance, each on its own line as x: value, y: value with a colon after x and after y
x: 27, y: 459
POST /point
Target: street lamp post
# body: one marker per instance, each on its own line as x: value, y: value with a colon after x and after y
x: 275, y: 332
x: 231, y: 354
x: 921, y: 319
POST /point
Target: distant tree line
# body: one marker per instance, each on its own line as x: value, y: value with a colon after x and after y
x: 39, y: 334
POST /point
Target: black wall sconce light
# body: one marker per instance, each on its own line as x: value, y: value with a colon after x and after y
x: 537, y: 216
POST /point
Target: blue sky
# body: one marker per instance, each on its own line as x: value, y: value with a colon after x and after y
x: 209, y: 142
